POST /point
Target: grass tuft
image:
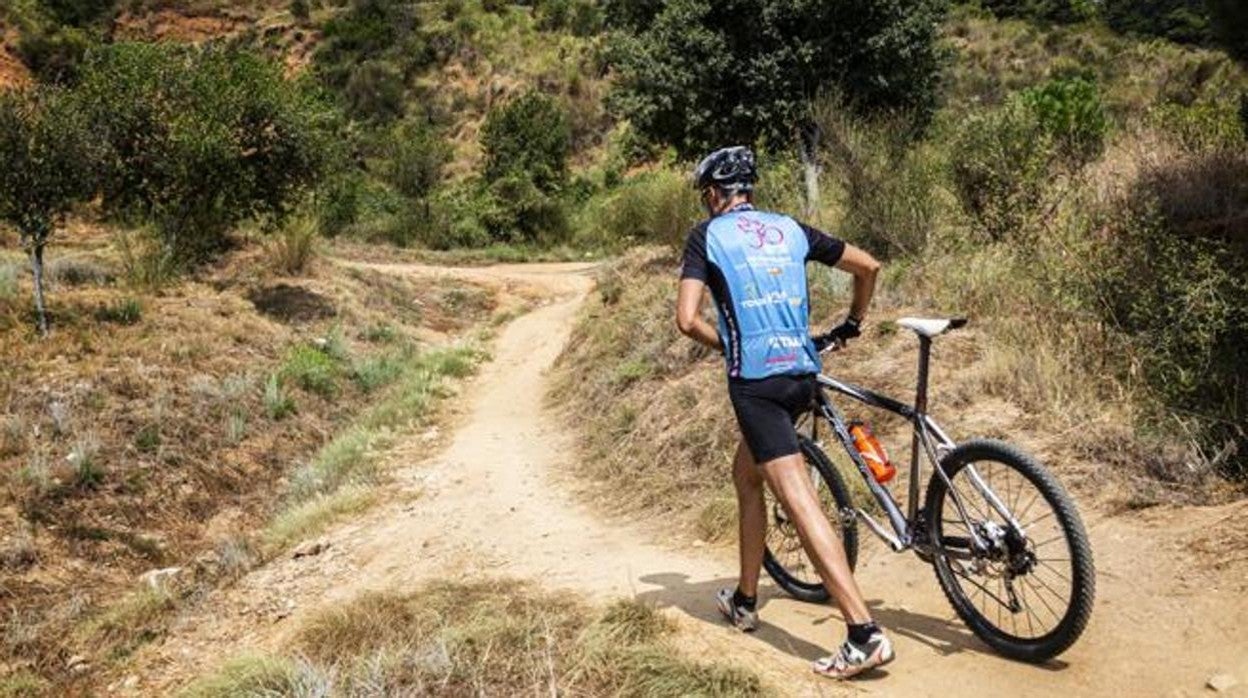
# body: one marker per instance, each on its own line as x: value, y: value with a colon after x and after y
x: 497, y: 637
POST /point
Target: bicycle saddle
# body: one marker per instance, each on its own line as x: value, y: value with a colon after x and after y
x: 931, y: 327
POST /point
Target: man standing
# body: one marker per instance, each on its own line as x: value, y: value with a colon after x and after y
x: 755, y: 265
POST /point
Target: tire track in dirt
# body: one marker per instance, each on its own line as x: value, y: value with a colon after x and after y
x: 491, y: 503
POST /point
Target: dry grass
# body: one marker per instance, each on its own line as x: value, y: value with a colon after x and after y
x: 139, y: 437
x: 489, y: 638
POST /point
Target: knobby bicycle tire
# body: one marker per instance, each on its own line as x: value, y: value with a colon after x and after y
x: 1083, y: 581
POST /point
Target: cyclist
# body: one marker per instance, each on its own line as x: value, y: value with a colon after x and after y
x: 755, y: 265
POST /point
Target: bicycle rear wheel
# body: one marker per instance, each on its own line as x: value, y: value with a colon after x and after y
x: 1029, y: 598
x: 785, y: 560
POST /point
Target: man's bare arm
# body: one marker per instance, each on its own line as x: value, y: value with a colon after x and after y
x: 689, y: 314
x: 864, y: 268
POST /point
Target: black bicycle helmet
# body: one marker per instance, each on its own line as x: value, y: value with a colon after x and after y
x: 731, y: 169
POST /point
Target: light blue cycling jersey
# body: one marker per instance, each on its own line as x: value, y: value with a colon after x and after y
x: 755, y: 265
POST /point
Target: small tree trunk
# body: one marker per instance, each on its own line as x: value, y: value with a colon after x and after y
x: 809, y: 147
x: 36, y: 265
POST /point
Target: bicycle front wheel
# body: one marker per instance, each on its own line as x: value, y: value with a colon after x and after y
x: 1029, y: 597
x: 785, y: 560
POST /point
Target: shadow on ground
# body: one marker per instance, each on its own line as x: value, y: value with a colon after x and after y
x: 944, y: 635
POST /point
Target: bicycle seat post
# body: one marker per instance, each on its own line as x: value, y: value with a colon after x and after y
x: 920, y: 393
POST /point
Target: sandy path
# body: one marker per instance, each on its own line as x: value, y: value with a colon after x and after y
x: 490, y: 502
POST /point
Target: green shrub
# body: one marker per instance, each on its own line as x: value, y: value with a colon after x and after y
x: 277, y: 402
x: 8, y: 280
x: 415, y: 157
x: 295, y: 246
x: 516, y: 209
x: 378, y: 371
x: 311, y: 369
x: 527, y: 138
x: 201, y: 138
x: 581, y: 17
x: 1203, y: 126
x: 78, y: 13
x: 339, y: 202
x: 1069, y: 111
x: 127, y: 311
x: 371, y: 30
x: 1185, y: 21
x: 300, y: 10
x: 55, y: 55
x: 999, y: 167
x: 1176, y: 282
x: 375, y: 91
x: 1062, y: 11
x: 657, y: 207
x: 889, y: 182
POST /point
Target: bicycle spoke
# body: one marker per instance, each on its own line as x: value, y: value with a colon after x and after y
x: 1041, y: 582
x: 1038, y: 519
x: 1037, y: 594
x: 983, y: 589
x: 1054, y: 570
x: 1060, y: 536
x: 1023, y: 514
x: 1022, y: 593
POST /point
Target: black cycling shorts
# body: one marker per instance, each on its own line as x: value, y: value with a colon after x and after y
x: 766, y: 409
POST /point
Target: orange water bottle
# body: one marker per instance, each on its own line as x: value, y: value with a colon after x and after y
x: 872, y: 452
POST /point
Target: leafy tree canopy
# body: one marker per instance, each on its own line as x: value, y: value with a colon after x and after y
x: 704, y: 74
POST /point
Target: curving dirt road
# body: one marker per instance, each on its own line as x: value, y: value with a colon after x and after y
x: 489, y: 502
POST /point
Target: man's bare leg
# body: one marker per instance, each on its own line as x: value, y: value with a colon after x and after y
x: 751, y: 518
x: 789, y: 479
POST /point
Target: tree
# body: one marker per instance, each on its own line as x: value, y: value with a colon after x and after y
x: 1185, y: 21
x: 704, y: 74
x: 201, y: 139
x: 528, y: 136
x: 1230, y: 25
x: 1060, y: 11
x: 46, y: 157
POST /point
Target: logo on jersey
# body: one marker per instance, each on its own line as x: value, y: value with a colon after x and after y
x: 758, y: 234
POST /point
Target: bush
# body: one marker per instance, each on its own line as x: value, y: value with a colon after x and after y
x: 999, y: 167
x: 1069, y: 111
x: 515, y: 209
x: 1201, y: 127
x: 295, y: 246
x: 200, y: 139
x: 527, y: 138
x: 659, y: 207
x: 311, y: 369
x: 375, y: 92
x: 300, y: 10
x: 78, y: 13
x: 1062, y: 11
x: 371, y: 30
x: 415, y: 156
x: 581, y: 17
x: 55, y: 55
x: 1176, y: 281
x: 889, y: 183
x: 1185, y: 21
x: 340, y: 201
x: 127, y: 311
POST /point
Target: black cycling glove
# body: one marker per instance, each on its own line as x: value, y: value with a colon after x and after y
x: 840, y: 334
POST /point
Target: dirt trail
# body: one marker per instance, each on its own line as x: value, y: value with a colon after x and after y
x: 490, y: 503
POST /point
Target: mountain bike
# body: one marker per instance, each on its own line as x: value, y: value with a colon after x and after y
x: 1005, y: 539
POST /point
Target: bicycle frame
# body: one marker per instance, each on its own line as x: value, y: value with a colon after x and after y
x: 932, y: 441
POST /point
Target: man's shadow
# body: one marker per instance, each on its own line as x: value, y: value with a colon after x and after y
x: 944, y: 636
